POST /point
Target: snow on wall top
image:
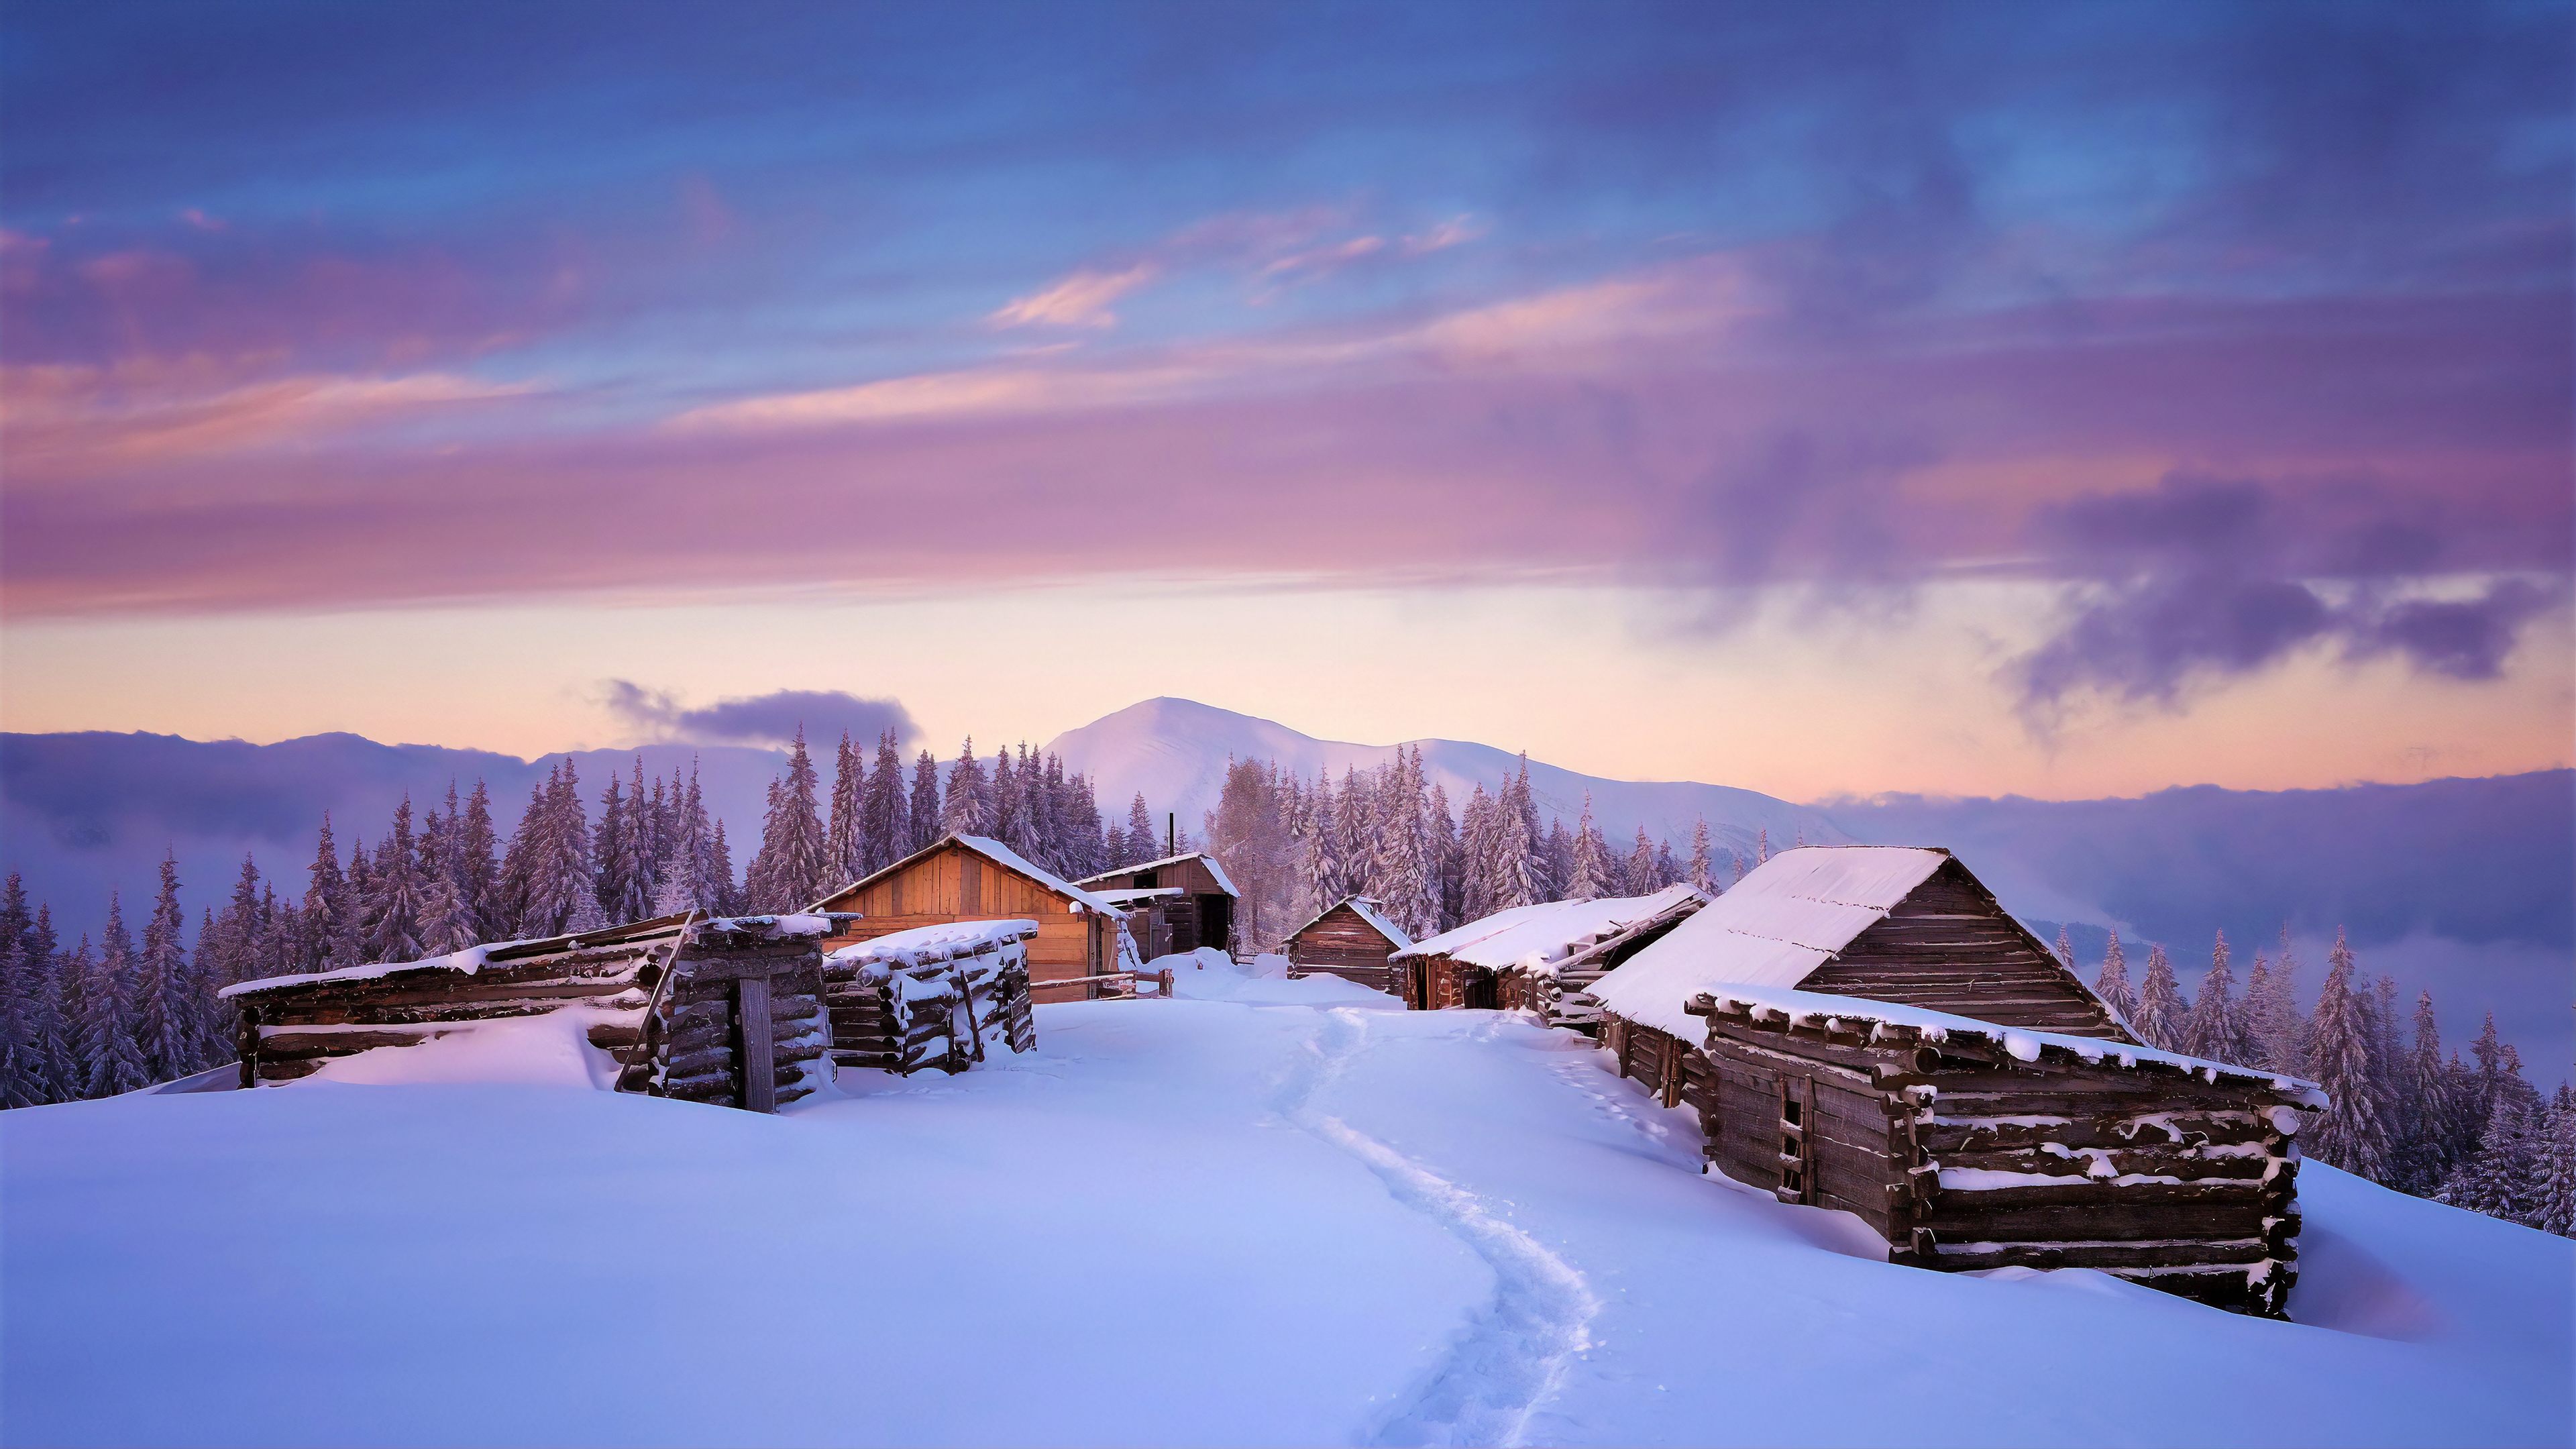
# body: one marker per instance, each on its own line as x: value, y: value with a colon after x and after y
x: 1787, y: 917
x: 926, y: 945
x: 1540, y: 936
x: 1449, y: 941
x: 1224, y: 882
x: 474, y: 958
x: 1147, y: 893
x: 2020, y: 1043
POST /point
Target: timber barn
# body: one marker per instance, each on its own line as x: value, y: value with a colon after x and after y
x: 725, y: 1011
x: 1352, y: 940
x: 1525, y: 957
x: 1175, y: 904
x: 1863, y: 1028
x: 971, y: 878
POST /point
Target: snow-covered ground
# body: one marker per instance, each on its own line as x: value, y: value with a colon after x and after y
x: 1272, y: 1214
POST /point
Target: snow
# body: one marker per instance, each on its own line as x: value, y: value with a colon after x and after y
x: 927, y: 945
x: 551, y: 1050
x: 1187, y: 1222
x: 1772, y: 928
x: 469, y: 961
x: 1208, y: 974
x: 474, y: 958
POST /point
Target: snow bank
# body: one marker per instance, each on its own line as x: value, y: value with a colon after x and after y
x: 1208, y: 974
x: 552, y: 1050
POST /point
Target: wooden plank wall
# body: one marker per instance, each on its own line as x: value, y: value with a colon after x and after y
x: 958, y: 885
x: 1948, y: 946
x: 1341, y: 944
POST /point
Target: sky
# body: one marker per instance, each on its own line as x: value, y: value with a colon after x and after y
x: 2059, y: 400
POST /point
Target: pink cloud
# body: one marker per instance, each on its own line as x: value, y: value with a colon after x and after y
x: 1080, y: 300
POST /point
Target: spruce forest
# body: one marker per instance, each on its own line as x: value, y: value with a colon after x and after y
x: 113, y: 1013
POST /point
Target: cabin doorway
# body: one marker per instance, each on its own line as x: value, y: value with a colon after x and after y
x: 1216, y: 920
x: 1478, y: 992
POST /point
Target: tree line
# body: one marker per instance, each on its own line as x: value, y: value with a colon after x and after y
x: 2405, y: 1115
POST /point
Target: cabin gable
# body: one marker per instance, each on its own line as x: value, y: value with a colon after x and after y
x: 1342, y: 942
x: 951, y: 882
x: 1949, y: 946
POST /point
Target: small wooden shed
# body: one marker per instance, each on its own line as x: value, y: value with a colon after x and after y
x: 1510, y: 959
x: 721, y: 1010
x: 1178, y: 903
x: 972, y: 878
x: 1862, y: 1028
x: 933, y: 996
x: 1351, y: 939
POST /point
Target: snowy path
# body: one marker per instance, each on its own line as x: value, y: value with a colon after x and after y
x: 1515, y: 1352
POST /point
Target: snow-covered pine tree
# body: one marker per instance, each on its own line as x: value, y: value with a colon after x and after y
x: 1407, y: 816
x: 22, y: 1074
x: 1637, y: 877
x: 53, y: 1054
x: 2161, y: 1011
x: 969, y: 807
x: 2555, y: 1208
x: 1517, y: 871
x: 2429, y: 1128
x: 1450, y: 858
x: 1668, y: 867
x: 789, y: 871
x: 2277, y: 1017
x: 885, y: 825
x: 2502, y: 1178
x: 1323, y: 866
x: 563, y: 883
x: 1478, y: 843
x: 638, y: 865
x: 326, y: 905
x: 1593, y: 870
x: 2065, y: 949
x: 1359, y: 820
x: 1762, y: 846
x: 2216, y: 1028
x: 2111, y: 983
x: 1043, y: 788
x: 1561, y: 851
x: 1137, y: 842
x: 1003, y: 822
x: 515, y: 899
x: 2353, y: 1133
x: 925, y: 811
x: 165, y: 1034
x: 393, y: 900
x: 728, y: 893
x: 1702, y: 871
x: 472, y: 847
x: 610, y: 845
x: 845, y: 834
x: 109, y: 1058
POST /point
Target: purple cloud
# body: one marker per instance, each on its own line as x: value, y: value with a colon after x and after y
x: 763, y: 719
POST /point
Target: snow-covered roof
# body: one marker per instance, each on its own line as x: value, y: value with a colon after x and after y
x: 642, y: 935
x: 1001, y: 855
x: 2020, y: 1043
x: 1224, y: 882
x: 1135, y: 897
x: 925, y: 945
x: 1539, y: 936
x: 1366, y: 908
x: 1787, y: 917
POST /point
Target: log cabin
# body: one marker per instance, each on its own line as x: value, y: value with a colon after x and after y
x: 1176, y: 904
x: 1510, y: 958
x: 1863, y: 1028
x: 1351, y: 939
x: 726, y: 1011
x: 972, y: 878
x: 934, y: 996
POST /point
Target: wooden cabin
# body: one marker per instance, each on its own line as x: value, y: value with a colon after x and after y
x: 971, y: 878
x: 1352, y: 940
x: 1510, y: 959
x: 1862, y: 1028
x: 725, y: 1011
x: 933, y: 996
x: 1178, y: 903
x: 1559, y: 992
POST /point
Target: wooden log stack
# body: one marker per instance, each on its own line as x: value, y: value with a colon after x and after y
x: 1971, y: 1146
x: 669, y: 995
x: 942, y: 996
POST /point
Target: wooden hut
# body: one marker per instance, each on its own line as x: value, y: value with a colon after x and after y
x: 970, y: 878
x: 727, y: 1011
x: 1352, y: 940
x: 933, y: 996
x: 1510, y: 959
x: 1862, y: 1028
x: 1177, y: 903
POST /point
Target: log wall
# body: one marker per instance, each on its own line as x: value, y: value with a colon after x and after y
x: 1949, y: 946
x: 1339, y: 943
x: 1966, y: 1158
x: 947, y: 1013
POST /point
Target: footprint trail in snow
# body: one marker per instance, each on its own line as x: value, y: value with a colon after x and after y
x: 1516, y: 1352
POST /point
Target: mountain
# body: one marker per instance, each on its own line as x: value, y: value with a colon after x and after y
x: 1175, y: 751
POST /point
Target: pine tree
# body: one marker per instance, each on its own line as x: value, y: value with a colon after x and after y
x: 1413, y: 897
x: 164, y: 1009
x: 326, y: 905
x: 789, y: 871
x: 109, y: 1059
x: 1518, y: 871
x: 609, y: 846
x: 1448, y: 860
x: 2161, y: 1012
x: 2065, y: 949
x: 969, y: 810
x: 2277, y: 1018
x: 2502, y: 1179
x: 1477, y: 839
x: 927, y: 810
x: 626, y: 873
x: 1592, y: 868
x: 22, y: 1075
x: 1762, y: 846
x: 1323, y: 867
x: 886, y: 820
x: 2555, y: 1208
x: 845, y: 836
x: 52, y: 1055
x: 2111, y: 983
x: 1561, y: 851
x: 2429, y: 1130
x: 1638, y: 877
x: 1703, y: 866
x: 2353, y: 1133
x: 728, y: 896
x: 394, y: 900
x: 472, y: 866
x: 1668, y: 870
x: 2216, y: 1028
